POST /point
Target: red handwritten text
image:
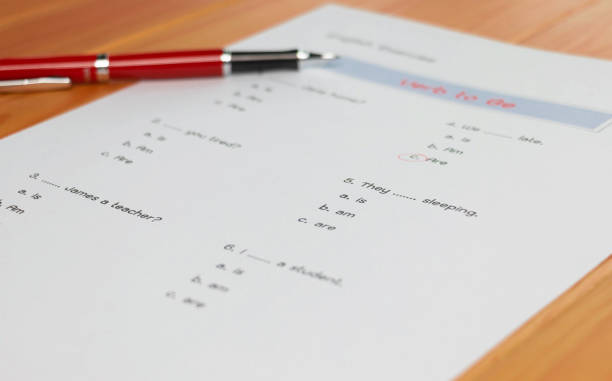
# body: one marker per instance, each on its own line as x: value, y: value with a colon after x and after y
x: 462, y: 95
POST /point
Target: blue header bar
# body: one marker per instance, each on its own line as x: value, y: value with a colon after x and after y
x: 452, y: 92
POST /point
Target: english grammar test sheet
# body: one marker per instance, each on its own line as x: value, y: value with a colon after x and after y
x: 391, y: 215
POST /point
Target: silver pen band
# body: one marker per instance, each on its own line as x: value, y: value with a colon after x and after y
x: 226, y: 58
x: 101, y: 65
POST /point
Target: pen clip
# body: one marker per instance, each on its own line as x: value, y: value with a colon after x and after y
x: 34, y: 84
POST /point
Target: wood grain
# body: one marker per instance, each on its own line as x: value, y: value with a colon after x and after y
x: 588, y: 32
x: 571, y: 339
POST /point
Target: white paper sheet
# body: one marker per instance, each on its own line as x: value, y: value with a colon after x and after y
x: 391, y: 216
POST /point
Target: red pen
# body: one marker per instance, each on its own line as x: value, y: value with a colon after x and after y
x: 51, y: 73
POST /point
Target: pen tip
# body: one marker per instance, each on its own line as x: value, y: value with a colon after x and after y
x: 328, y: 56
x: 316, y: 56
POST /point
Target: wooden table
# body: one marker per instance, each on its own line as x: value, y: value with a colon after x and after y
x: 571, y: 339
